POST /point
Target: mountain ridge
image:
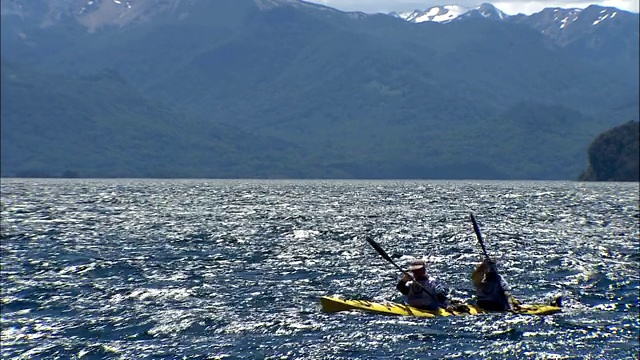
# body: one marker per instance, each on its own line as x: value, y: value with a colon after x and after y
x: 354, y: 95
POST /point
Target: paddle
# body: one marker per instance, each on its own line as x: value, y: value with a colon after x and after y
x: 476, y: 229
x: 384, y: 254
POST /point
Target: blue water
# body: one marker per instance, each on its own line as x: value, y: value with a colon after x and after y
x: 132, y: 269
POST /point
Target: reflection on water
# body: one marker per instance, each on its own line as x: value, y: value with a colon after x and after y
x: 234, y: 269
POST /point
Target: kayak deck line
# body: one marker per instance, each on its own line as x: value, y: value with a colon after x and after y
x: 331, y: 304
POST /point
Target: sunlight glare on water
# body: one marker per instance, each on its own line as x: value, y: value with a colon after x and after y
x: 128, y: 269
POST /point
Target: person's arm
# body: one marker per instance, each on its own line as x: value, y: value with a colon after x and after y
x: 504, y: 284
x: 402, y: 285
x: 515, y: 304
x: 441, y: 292
x: 477, y: 276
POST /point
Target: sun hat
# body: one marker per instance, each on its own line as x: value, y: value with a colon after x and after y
x: 416, y: 264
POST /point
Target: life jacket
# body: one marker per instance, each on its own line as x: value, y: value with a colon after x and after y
x: 492, y: 288
x: 418, y: 297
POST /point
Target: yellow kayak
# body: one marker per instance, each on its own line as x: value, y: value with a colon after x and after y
x: 335, y: 304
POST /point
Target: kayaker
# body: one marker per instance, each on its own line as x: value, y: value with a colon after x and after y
x: 414, y: 289
x: 492, y: 291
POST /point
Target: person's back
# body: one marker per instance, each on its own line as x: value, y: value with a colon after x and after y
x: 492, y: 290
x: 422, y: 291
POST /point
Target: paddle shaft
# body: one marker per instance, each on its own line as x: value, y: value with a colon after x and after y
x: 386, y: 256
x: 476, y: 229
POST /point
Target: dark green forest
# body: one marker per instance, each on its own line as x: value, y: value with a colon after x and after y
x: 98, y: 126
x: 615, y: 155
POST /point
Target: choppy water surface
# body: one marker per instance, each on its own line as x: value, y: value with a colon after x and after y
x: 234, y: 269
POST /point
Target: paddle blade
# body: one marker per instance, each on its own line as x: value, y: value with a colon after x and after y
x: 379, y: 249
x: 476, y: 228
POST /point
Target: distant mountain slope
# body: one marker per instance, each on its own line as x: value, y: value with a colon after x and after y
x: 530, y: 139
x: 97, y: 126
x: 601, y: 35
x: 369, y: 95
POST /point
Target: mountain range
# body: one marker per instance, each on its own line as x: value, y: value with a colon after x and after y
x: 285, y: 88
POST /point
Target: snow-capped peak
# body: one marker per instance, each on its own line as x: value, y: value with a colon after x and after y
x: 446, y: 13
x: 442, y: 13
x: 554, y: 20
x: 604, y: 14
x: 487, y: 11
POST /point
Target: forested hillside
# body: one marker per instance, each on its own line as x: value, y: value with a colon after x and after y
x: 98, y: 126
x: 615, y: 155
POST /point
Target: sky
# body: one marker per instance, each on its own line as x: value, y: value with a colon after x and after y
x: 509, y: 7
